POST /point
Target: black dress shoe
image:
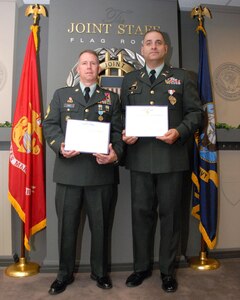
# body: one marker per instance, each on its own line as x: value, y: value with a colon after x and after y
x: 137, y: 278
x: 169, y: 284
x: 102, y: 282
x: 59, y: 286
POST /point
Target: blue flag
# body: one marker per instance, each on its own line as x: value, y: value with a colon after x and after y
x: 204, y: 175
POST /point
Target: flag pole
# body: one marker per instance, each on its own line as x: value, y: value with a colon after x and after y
x: 23, y: 268
x: 202, y: 262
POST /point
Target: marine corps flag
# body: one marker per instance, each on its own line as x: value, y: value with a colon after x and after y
x: 26, y: 162
x: 204, y: 176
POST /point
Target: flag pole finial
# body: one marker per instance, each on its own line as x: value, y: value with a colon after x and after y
x: 201, y: 12
x: 35, y: 10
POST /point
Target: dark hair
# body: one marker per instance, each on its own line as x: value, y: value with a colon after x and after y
x: 155, y: 30
x: 89, y: 51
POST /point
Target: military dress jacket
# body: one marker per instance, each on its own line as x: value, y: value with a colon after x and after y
x: 175, y: 89
x: 69, y: 103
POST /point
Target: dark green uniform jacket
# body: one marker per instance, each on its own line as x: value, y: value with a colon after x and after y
x: 69, y: 102
x: 184, y: 113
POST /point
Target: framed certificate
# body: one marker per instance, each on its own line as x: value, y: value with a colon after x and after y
x: 146, y: 121
x: 87, y: 136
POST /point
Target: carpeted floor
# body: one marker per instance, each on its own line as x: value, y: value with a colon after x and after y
x: 220, y: 284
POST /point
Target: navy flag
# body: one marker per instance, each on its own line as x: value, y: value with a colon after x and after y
x: 204, y: 175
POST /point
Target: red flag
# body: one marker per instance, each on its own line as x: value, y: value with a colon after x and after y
x: 26, y: 161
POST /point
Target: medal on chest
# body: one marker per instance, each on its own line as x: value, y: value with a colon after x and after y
x: 171, y: 98
x: 100, y: 112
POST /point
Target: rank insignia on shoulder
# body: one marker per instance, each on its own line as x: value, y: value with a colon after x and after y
x: 172, y: 80
x: 70, y: 100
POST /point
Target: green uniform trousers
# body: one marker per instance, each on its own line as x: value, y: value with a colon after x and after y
x: 150, y: 191
x: 69, y: 202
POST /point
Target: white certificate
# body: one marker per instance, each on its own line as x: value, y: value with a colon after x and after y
x: 146, y: 120
x: 87, y: 136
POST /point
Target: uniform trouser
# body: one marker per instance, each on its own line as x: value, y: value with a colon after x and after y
x: 146, y: 189
x: 69, y: 202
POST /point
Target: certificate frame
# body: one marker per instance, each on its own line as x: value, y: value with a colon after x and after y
x: 87, y: 136
x: 146, y: 120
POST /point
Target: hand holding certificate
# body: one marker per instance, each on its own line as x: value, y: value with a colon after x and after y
x: 146, y: 121
x: 87, y: 136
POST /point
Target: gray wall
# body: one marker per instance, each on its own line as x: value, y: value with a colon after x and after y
x: 57, y: 56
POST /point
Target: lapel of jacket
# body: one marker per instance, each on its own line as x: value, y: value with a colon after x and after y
x: 97, y: 96
x: 143, y: 76
x: 165, y: 73
x: 79, y: 95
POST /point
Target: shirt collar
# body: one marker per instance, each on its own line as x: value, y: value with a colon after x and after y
x: 92, y: 88
x: 158, y: 70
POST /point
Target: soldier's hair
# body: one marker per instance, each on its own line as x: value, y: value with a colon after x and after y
x: 89, y: 51
x: 155, y: 30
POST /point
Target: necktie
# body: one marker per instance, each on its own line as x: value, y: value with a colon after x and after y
x: 152, y: 76
x: 87, y: 96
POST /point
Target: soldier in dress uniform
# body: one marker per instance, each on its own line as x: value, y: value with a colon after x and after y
x: 157, y: 164
x: 83, y: 178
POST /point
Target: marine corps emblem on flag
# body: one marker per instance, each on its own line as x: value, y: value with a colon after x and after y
x: 26, y: 136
